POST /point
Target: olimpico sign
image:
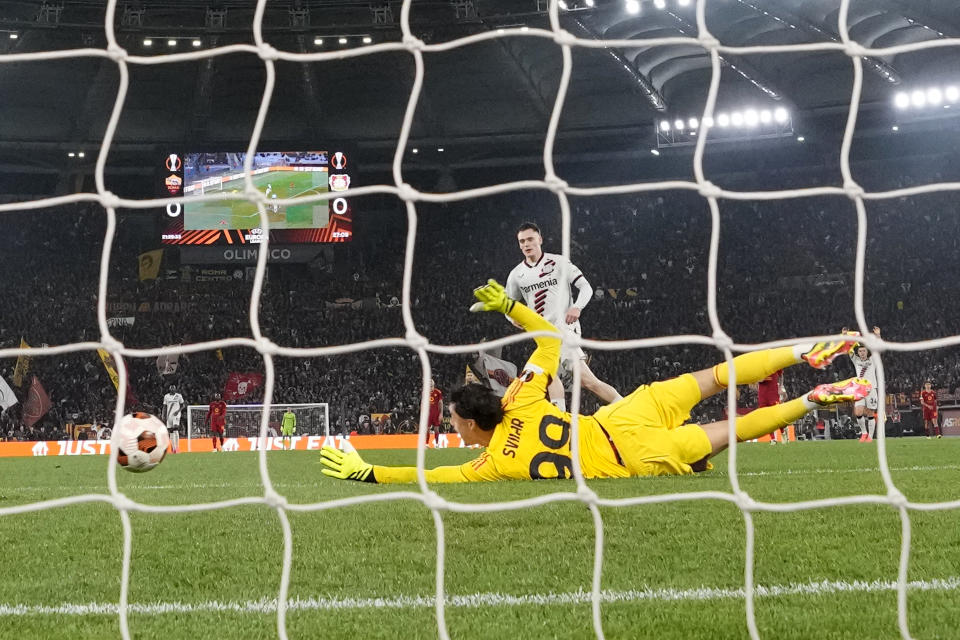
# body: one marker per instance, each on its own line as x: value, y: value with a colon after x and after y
x: 247, y: 254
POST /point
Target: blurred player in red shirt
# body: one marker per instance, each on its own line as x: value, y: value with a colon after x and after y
x: 435, y: 417
x: 928, y: 400
x: 770, y: 392
x: 217, y: 419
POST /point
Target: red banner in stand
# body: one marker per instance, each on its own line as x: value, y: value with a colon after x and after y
x: 240, y: 385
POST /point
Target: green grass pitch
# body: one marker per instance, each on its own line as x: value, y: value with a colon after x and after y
x: 241, y: 214
x: 670, y: 571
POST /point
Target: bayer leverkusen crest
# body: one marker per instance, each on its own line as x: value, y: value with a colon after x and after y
x: 339, y: 182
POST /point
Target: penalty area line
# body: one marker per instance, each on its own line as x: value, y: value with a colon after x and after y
x: 579, y: 597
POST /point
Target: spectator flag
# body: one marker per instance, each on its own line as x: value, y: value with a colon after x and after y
x: 37, y: 404
x: 240, y: 385
x: 7, y: 397
x: 111, y: 368
x: 167, y: 363
x: 23, y: 365
x: 150, y: 264
x: 499, y: 373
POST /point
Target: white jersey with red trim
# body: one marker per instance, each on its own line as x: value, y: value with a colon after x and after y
x: 539, y: 287
x: 866, y: 368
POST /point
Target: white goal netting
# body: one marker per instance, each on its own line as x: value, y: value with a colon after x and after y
x: 419, y: 344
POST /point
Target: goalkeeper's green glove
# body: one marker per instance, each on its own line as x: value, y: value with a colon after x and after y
x: 492, y: 297
x: 345, y: 465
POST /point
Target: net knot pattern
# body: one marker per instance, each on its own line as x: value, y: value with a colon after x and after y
x: 413, y: 340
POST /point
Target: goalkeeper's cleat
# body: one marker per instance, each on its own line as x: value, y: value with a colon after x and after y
x: 823, y: 353
x: 845, y: 391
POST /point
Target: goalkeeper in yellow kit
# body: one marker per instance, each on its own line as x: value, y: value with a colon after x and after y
x: 644, y: 434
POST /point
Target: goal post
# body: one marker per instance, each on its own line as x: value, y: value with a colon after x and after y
x: 243, y: 420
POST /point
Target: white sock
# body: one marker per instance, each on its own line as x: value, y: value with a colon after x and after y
x: 872, y: 423
x: 862, y: 424
x: 559, y: 403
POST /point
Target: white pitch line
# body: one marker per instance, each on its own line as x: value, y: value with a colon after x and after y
x: 581, y: 596
x: 307, y: 485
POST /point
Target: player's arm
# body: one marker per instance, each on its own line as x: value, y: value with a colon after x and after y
x: 348, y: 465
x: 546, y: 357
x: 584, y: 292
x: 514, y: 293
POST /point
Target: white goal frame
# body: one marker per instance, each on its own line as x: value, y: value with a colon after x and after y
x: 416, y: 48
x: 259, y: 407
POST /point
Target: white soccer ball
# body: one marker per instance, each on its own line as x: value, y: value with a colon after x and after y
x: 141, y: 441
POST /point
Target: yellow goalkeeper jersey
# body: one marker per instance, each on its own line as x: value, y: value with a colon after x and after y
x: 533, y: 439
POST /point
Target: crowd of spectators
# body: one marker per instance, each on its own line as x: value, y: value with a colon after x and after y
x: 785, y: 269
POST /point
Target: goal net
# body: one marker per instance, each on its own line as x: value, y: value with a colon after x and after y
x: 255, y: 420
x: 244, y: 420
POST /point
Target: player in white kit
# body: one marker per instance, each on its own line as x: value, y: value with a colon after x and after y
x: 536, y: 282
x: 172, y: 409
x: 865, y: 410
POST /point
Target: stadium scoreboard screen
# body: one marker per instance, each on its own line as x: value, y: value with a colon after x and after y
x: 278, y: 175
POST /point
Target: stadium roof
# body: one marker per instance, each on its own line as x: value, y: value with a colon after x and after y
x: 486, y: 96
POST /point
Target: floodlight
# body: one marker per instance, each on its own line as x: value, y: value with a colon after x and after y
x: 800, y: 139
x: 171, y: 43
x: 918, y: 98
x: 71, y: 154
x: 440, y: 149
x: 895, y: 128
x: 415, y: 150
x: 952, y: 94
x: 766, y: 116
x: 934, y: 96
x: 678, y: 125
x: 318, y: 41
x: 14, y: 36
x: 342, y: 41
x: 708, y: 122
x: 780, y: 115
x: 81, y: 155
x: 589, y: 3
x: 632, y: 7
x: 693, y: 123
x: 736, y: 119
x: 197, y: 43
x: 684, y: 3
x: 751, y: 117
x: 664, y: 125
x: 723, y: 120
x: 902, y: 100
x: 660, y: 4
x: 147, y: 42
x: 655, y: 152
x: 367, y: 39
x: 562, y: 4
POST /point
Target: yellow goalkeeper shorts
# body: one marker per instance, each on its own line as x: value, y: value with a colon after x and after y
x: 649, y: 428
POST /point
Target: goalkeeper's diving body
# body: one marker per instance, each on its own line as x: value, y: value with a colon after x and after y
x: 644, y: 434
